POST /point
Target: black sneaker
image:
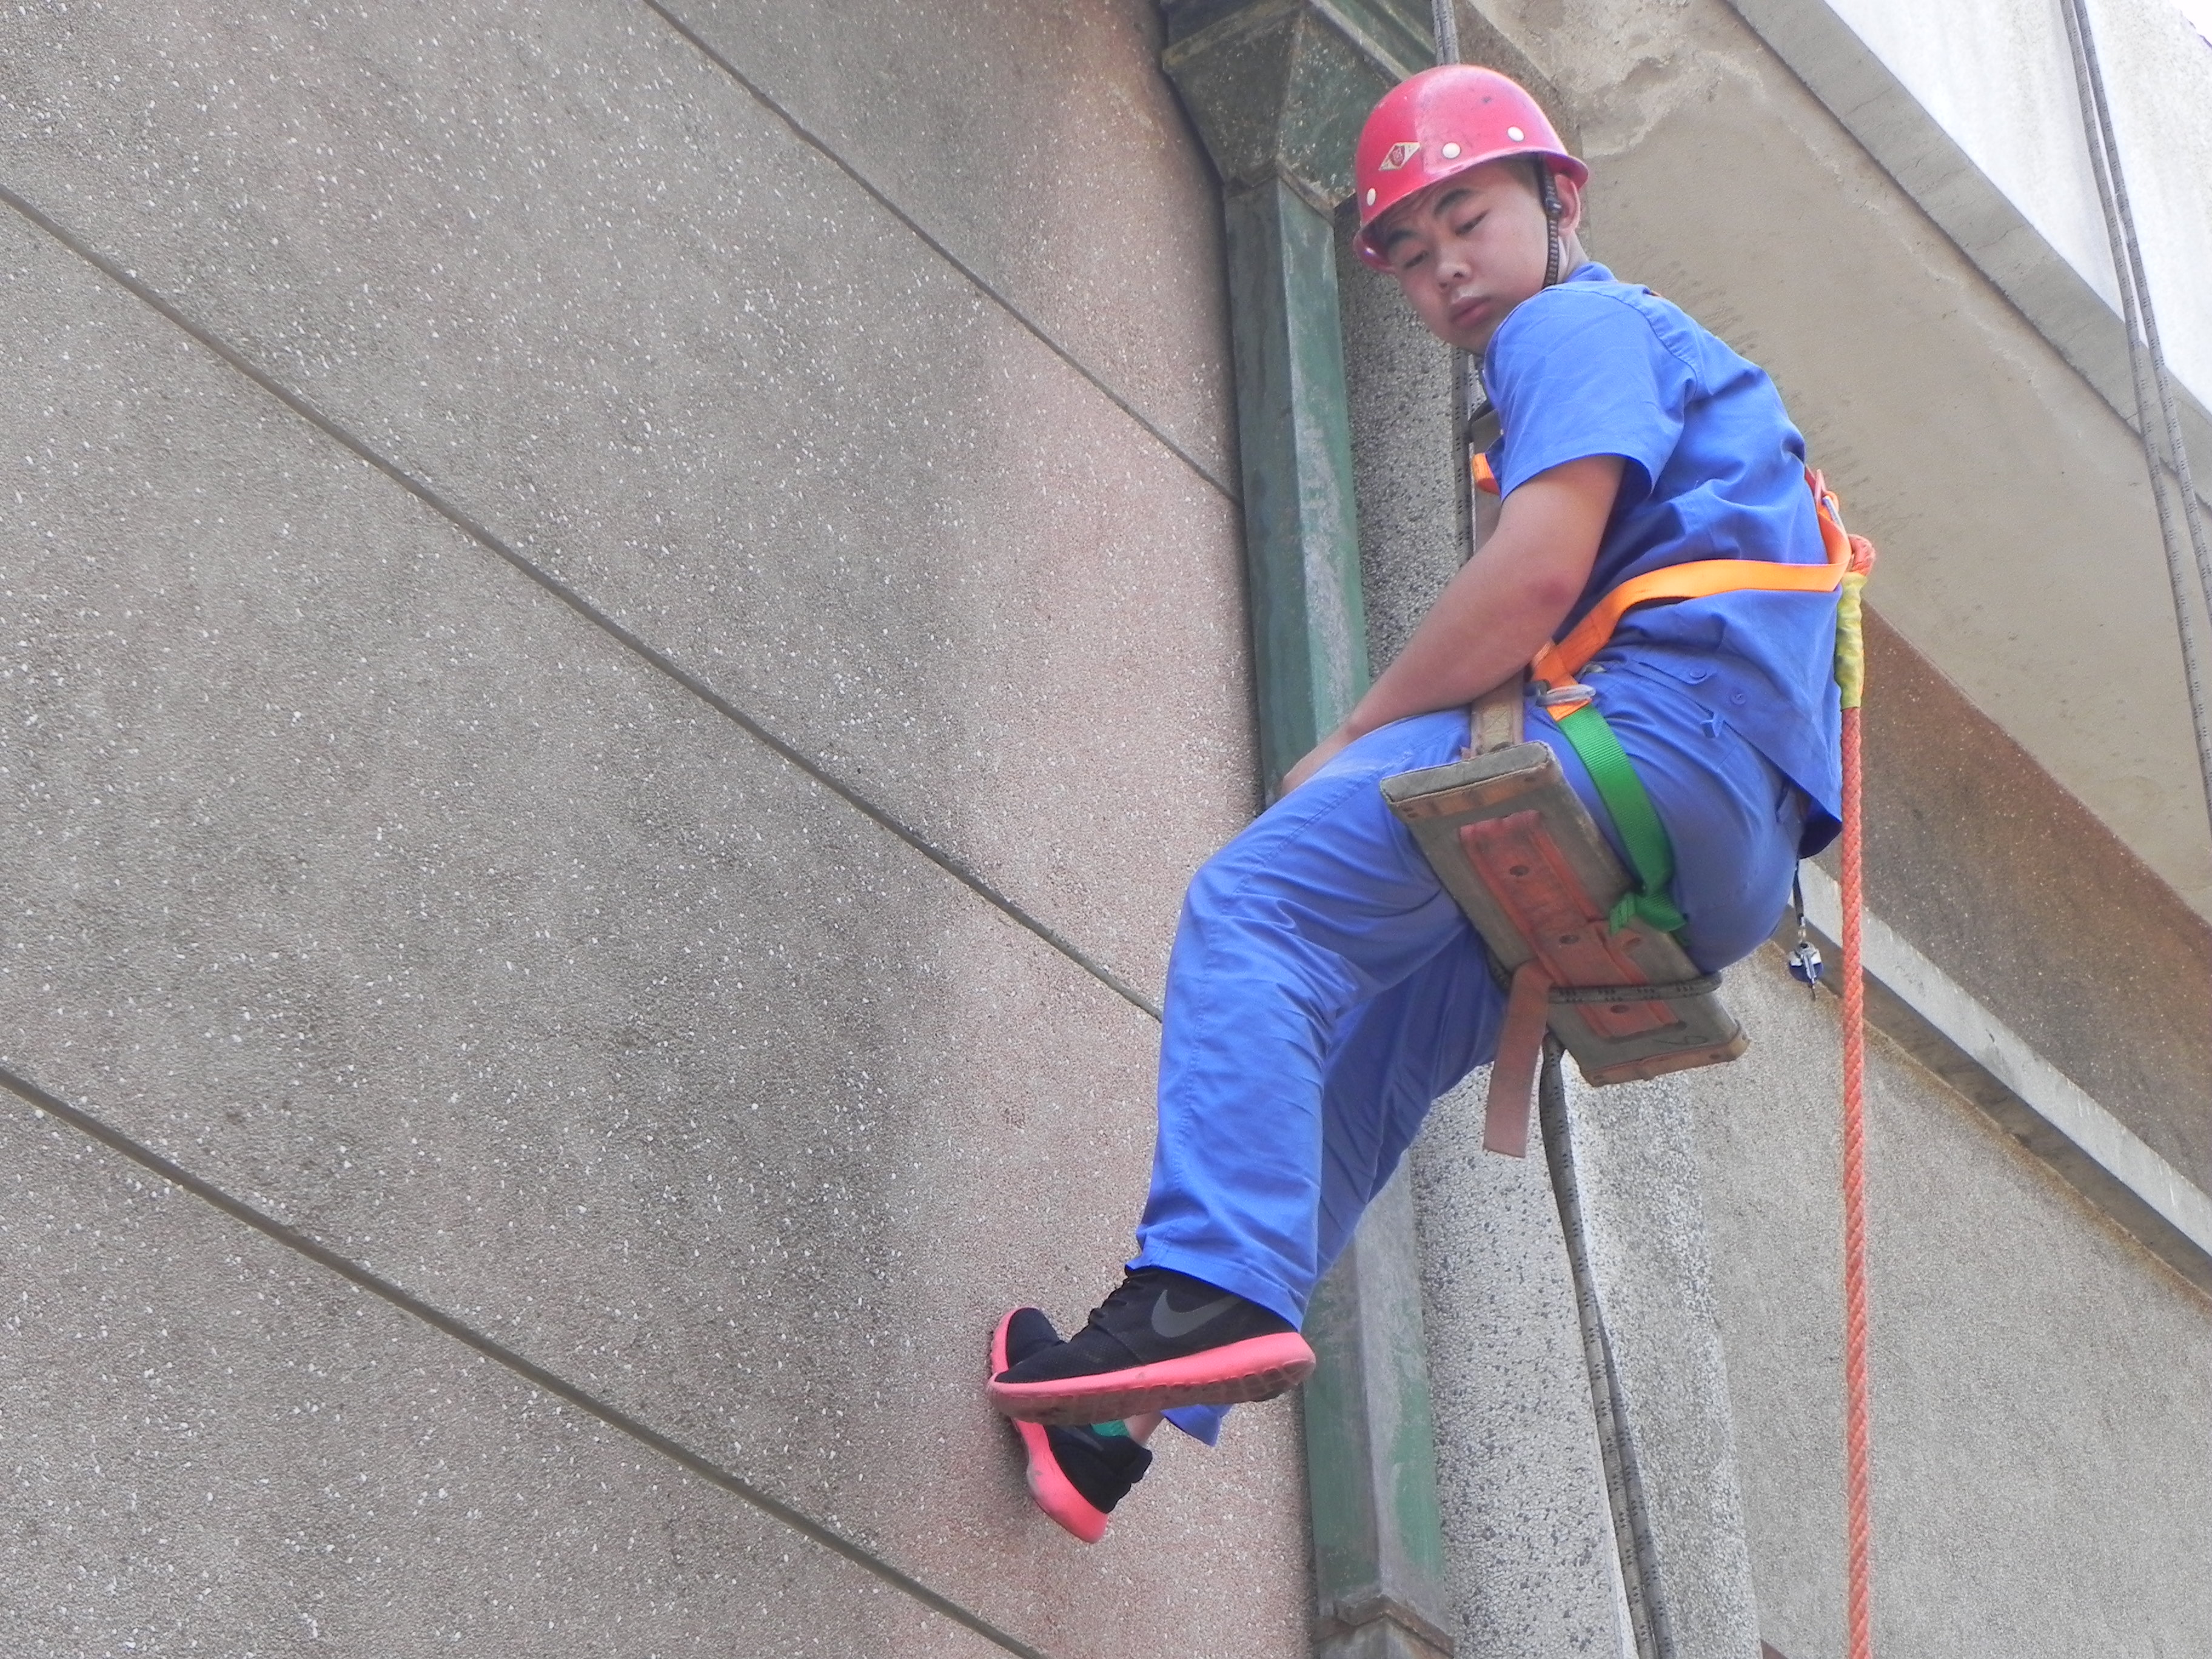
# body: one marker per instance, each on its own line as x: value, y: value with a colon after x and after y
x: 1163, y: 1340
x: 1077, y: 1475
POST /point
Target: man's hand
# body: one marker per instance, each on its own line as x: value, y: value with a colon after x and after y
x: 1315, y: 758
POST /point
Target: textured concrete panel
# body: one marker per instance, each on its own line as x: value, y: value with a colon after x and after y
x: 1042, y: 145
x: 2109, y: 973
x: 353, y: 871
x: 2042, y: 1437
x: 1650, y: 1255
x: 213, y: 1446
x: 1534, y: 1572
x: 568, y: 270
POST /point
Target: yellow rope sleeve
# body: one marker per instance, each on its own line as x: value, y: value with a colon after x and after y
x: 1851, y: 640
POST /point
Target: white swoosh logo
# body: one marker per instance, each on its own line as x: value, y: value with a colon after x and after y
x: 1172, y: 1322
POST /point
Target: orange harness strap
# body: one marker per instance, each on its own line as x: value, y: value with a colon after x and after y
x: 1556, y: 664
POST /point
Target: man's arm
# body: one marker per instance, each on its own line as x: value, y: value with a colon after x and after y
x: 1505, y: 602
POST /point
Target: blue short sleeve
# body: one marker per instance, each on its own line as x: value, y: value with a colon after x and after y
x: 1574, y: 373
x: 1714, y: 469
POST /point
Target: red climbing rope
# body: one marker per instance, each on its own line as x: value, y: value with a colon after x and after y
x: 1858, y: 1494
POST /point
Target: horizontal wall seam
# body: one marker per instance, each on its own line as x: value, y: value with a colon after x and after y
x: 612, y: 1415
x: 1940, y: 1025
x: 654, y: 658
x: 982, y: 284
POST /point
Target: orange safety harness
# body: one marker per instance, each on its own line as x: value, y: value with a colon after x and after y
x: 1569, y: 703
x: 1557, y: 662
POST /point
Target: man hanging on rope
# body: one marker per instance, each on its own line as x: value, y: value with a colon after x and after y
x: 1324, y: 989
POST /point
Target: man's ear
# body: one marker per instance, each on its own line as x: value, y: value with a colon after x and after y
x: 1571, y: 203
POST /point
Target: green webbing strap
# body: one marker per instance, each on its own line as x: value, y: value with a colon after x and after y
x: 1641, y: 832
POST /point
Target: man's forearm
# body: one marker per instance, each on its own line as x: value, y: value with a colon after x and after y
x: 1479, y: 632
x: 1504, y: 603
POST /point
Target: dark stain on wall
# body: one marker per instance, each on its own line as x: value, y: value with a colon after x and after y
x: 2019, y: 892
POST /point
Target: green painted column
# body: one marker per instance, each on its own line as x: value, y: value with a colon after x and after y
x: 1371, y: 1450
x: 1294, y: 441
x: 1277, y: 90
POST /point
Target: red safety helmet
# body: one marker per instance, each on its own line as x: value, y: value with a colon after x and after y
x: 1439, y: 122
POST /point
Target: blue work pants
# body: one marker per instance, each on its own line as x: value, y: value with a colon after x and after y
x: 1324, y: 989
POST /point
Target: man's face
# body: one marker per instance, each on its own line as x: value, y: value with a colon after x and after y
x: 1468, y: 250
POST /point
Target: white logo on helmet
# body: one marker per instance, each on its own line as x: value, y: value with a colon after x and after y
x: 1399, y: 156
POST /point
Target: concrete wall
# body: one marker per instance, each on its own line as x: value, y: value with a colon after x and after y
x: 2035, y: 907
x: 867, y: 368
x: 1999, y: 77
x: 2043, y: 1438
x: 630, y: 806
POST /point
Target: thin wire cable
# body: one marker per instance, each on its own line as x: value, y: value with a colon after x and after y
x: 1469, y: 401
x: 1466, y: 384
x: 1650, y: 1622
x: 536, y: 1376
x: 2146, y: 365
x: 2192, y: 512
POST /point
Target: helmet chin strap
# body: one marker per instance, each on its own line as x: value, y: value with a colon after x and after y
x: 1549, y: 192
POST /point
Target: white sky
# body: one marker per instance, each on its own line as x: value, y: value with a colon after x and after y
x: 2198, y: 12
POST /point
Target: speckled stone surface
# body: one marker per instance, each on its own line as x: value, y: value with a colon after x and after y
x: 1529, y: 1541
x: 565, y: 269
x: 1404, y: 450
x: 213, y: 1446
x: 1650, y: 1255
x: 353, y: 870
x: 1037, y: 144
x: 1535, y: 1565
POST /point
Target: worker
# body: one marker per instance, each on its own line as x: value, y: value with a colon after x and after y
x: 1324, y: 989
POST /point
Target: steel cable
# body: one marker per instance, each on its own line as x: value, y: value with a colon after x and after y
x: 1651, y: 1626
x: 2147, y: 369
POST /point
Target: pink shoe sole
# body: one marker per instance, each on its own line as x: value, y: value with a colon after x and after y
x: 1258, y: 1368
x: 1053, y: 1493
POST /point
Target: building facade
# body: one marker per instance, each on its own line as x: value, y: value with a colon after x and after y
x: 623, y: 625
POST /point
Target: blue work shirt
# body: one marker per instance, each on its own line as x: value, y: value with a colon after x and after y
x: 1715, y: 471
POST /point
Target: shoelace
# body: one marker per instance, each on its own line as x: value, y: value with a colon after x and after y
x: 1120, y: 1296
